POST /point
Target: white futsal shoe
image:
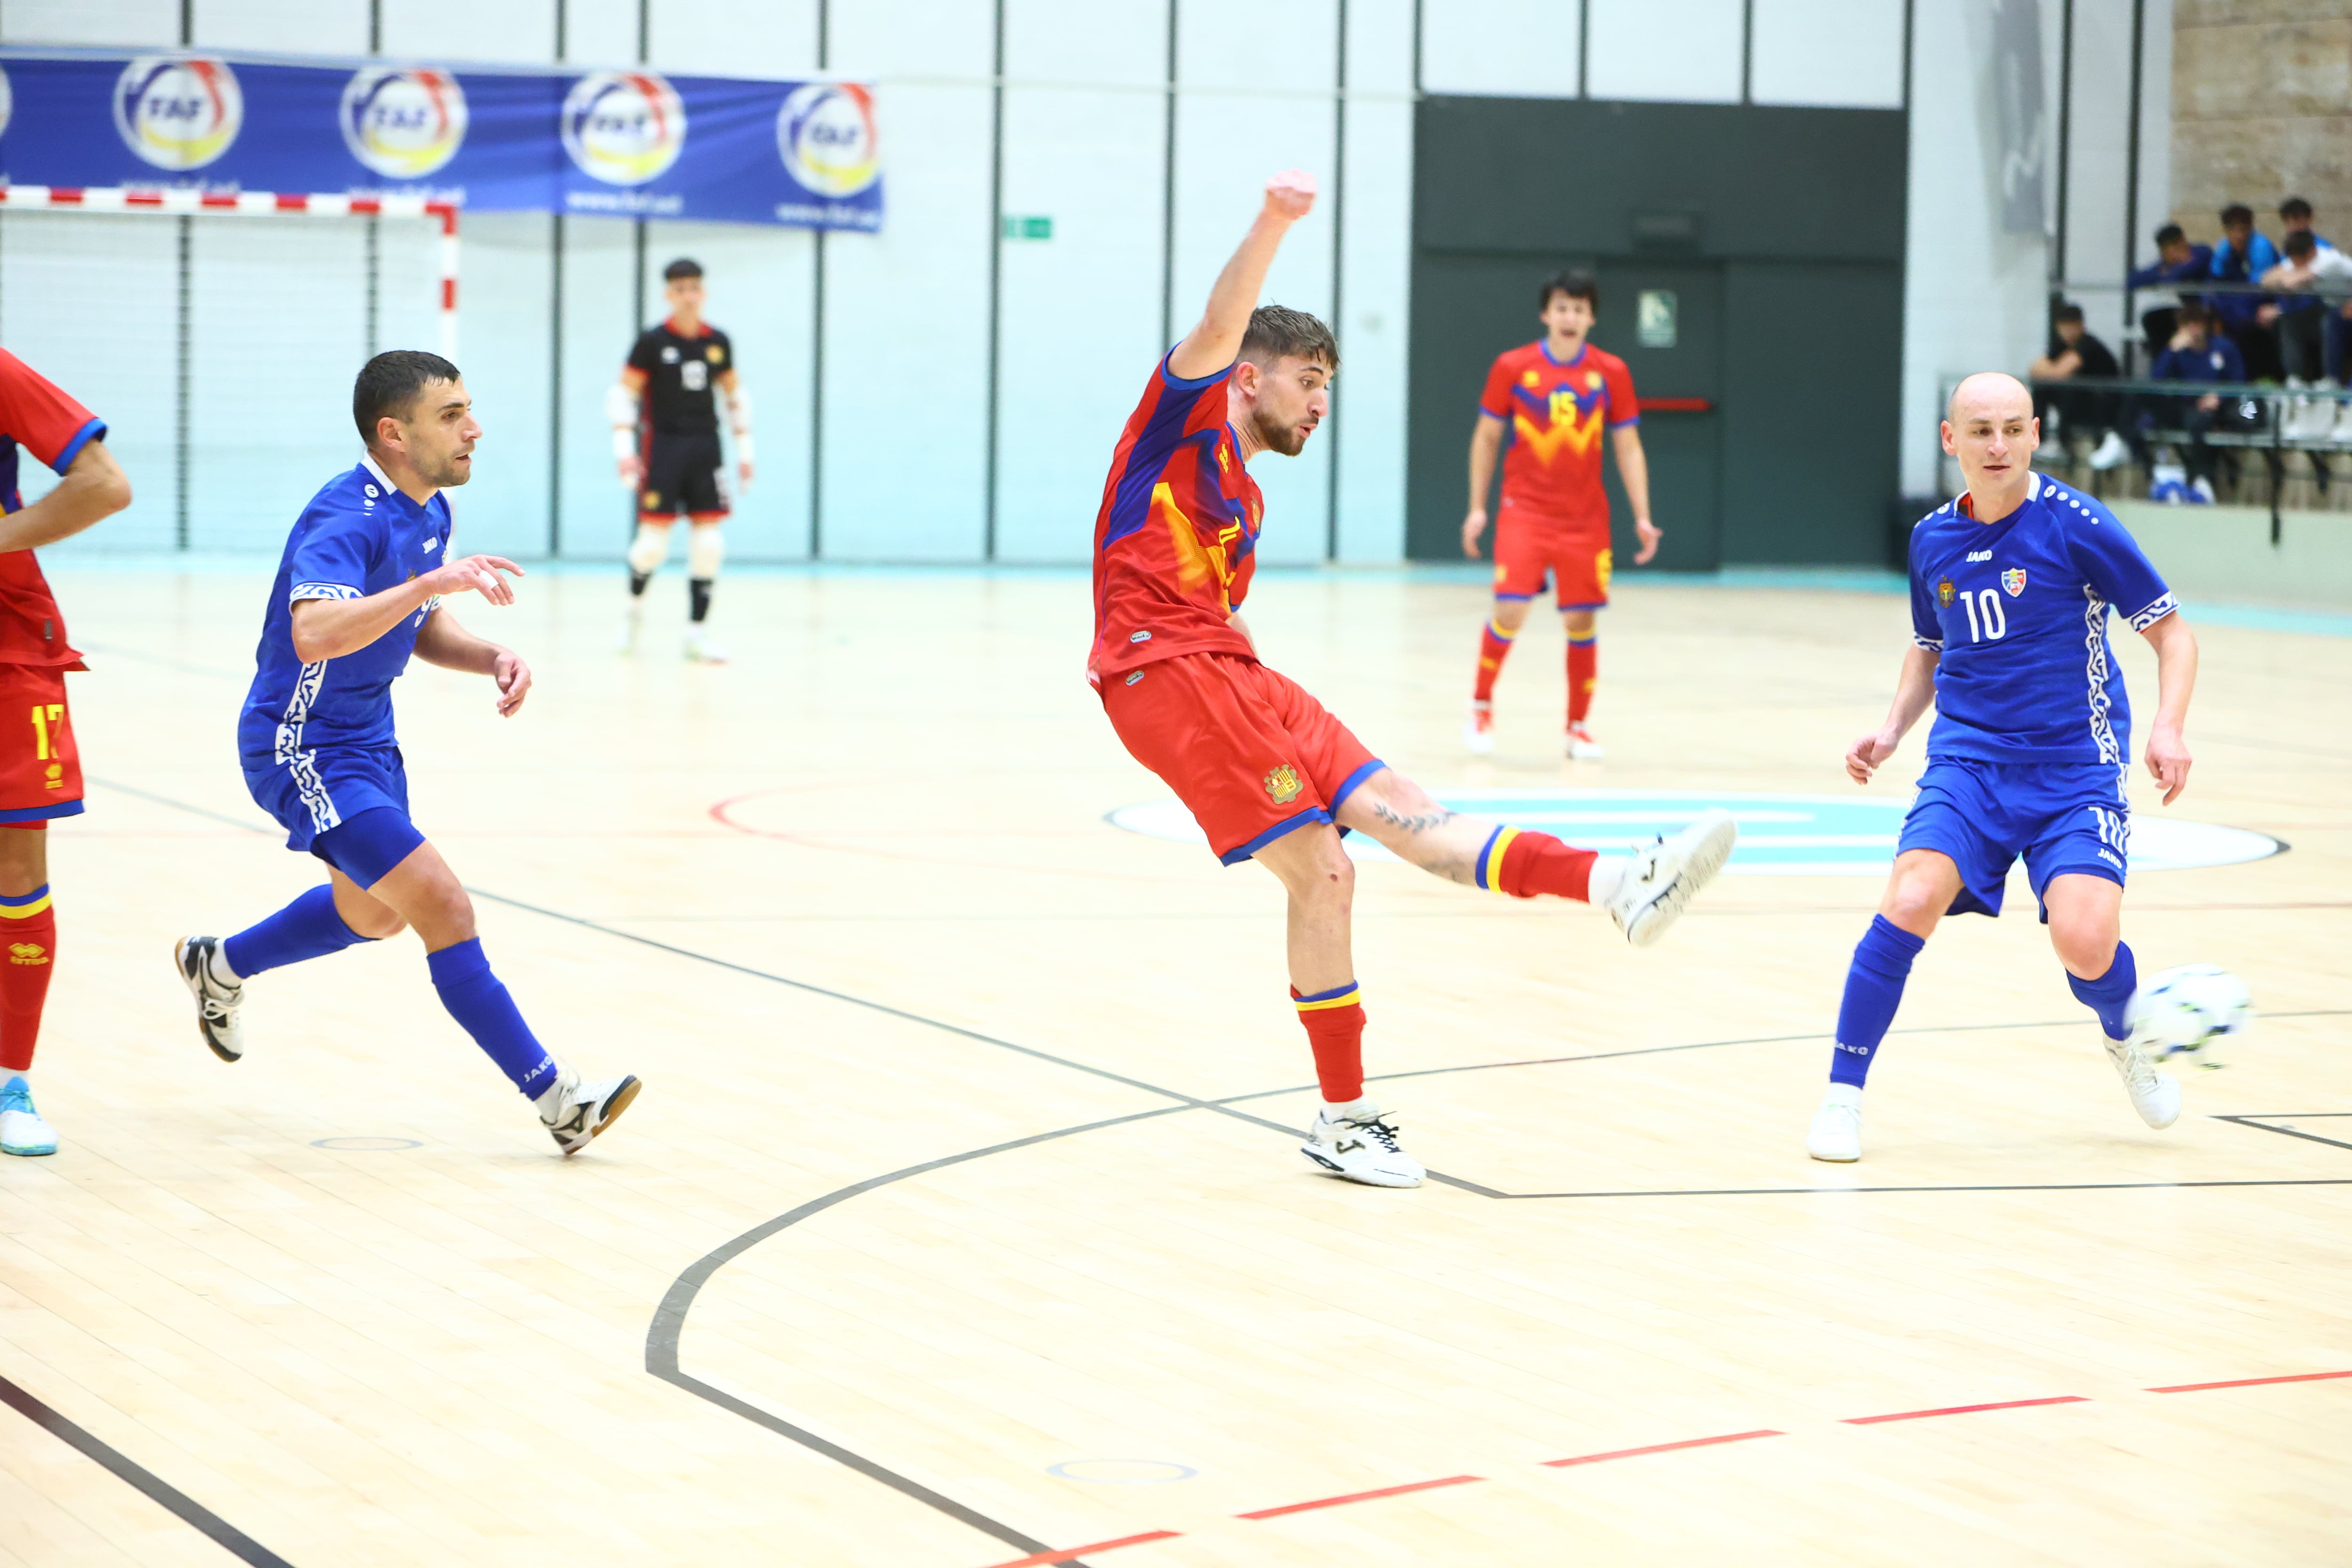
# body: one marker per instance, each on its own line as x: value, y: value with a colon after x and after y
x: 1580, y: 746
x: 1663, y: 876
x: 22, y: 1131
x: 631, y: 623
x: 219, y: 996
x: 1479, y: 731
x: 1836, y: 1132
x: 573, y: 1112
x: 1361, y: 1148
x: 2155, y: 1095
x: 700, y: 649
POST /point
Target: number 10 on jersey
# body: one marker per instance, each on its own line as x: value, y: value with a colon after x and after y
x: 1987, y: 622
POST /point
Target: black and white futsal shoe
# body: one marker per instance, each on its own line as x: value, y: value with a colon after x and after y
x: 573, y: 1112
x: 1361, y: 1148
x: 2155, y: 1095
x: 219, y: 992
x: 1662, y: 876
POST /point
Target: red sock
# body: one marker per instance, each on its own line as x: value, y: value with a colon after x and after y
x: 1584, y: 674
x: 28, y: 930
x: 1335, y: 1032
x: 1524, y: 864
x: 1493, y: 648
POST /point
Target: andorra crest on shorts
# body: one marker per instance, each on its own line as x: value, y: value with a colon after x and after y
x: 1944, y: 593
x: 1282, y: 785
x: 2012, y: 581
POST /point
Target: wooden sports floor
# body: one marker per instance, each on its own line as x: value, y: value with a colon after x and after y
x: 960, y: 1222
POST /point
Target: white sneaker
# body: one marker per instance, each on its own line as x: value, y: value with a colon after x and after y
x: 1836, y: 1132
x: 2200, y: 491
x: 1478, y: 732
x: 205, y: 973
x: 22, y: 1131
x: 573, y: 1112
x: 2113, y: 452
x: 2155, y: 1095
x: 1582, y: 747
x: 631, y: 623
x: 700, y: 649
x: 1361, y: 1148
x: 1665, y: 874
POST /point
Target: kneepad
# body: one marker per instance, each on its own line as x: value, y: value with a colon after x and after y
x: 650, y: 546
x: 706, y: 548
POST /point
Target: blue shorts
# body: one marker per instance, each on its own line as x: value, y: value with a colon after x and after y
x: 347, y: 805
x: 2062, y: 817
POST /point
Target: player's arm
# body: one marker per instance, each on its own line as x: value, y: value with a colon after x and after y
x: 442, y: 641
x: 738, y: 419
x: 1915, y: 688
x: 330, y: 628
x: 1485, y: 445
x: 1633, y: 469
x: 2176, y: 679
x: 623, y: 400
x: 94, y: 487
x: 1216, y: 341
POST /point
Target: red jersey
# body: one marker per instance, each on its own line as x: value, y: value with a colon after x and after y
x: 1553, y: 413
x: 37, y: 416
x: 1176, y: 539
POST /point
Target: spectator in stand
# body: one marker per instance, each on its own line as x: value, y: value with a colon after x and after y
x: 2196, y: 354
x: 2295, y: 217
x: 2177, y: 260
x: 2250, y: 321
x: 2294, y: 214
x: 2311, y: 264
x: 2087, y: 412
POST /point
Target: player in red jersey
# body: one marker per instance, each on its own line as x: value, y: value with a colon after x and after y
x: 40, y: 767
x: 1543, y: 410
x: 1267, y: 772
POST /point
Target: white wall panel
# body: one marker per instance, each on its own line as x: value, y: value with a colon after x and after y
x: 505, y: 32
x: 1834, y: 53
x: 906, y: 332
x: 283, y: 26
x: 1369, y: 398
x: 735, y: 38
x: 1379, y: 45
x: 1248, y: 44
x: 1089, y: 45
x: 138, y: 23
x: 92, y: 303
x: 2100, y: 142
x: 1499, y: 49
x: 913, y: 38
x: 1664, y: 51
x: 603, y: 32
x: 503, y: 343
x: 600, y: 323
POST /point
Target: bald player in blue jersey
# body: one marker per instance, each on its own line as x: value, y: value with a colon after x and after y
x: 2012, y: 584
x: 359, y: 591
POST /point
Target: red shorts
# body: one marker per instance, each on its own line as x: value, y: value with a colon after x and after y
x: 1248, y: 753
x: 1528, y: 558
x: 40, y: 765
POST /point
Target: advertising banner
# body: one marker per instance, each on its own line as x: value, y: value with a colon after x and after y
x: 628, y: 143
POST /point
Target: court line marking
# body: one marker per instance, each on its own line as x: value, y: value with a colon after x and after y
x: 1964, y: 1410
x: 2261, y: 1123
x: 2250, y: 1382
x: 1346, y: 1498
x: 229, y: 1537
x: 1661, y: 1448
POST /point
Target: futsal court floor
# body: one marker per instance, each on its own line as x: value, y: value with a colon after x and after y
x: 960, y: 1222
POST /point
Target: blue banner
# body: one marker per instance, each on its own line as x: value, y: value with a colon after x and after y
x: 627, y: 143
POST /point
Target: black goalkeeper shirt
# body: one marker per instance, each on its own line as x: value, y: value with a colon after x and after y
x: 680, y: 375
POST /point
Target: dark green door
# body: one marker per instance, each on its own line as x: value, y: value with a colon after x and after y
x: 1664, y: 320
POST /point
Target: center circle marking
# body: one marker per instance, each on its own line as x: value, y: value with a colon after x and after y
x: 364, y: 1145
x: 1122, y: 1472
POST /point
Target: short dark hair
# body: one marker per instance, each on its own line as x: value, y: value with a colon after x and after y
x: 2294, y: 207
x: 389, y: 383
x: 684, y: 267
x: 2194, y: 311
x: 2237, y: 211
x: 2302, y: 242
x: 1575, y: 283
x: 2064, y: 313
x: 1275, y: 331
x: 2171, y: 234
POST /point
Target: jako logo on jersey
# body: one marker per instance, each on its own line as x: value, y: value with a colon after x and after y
x: 2013, y: 580
x: 178, y: 113
x: 623, y: 127
x: 1979, y: 555
x: 826, y: 135
x: 404, y: 125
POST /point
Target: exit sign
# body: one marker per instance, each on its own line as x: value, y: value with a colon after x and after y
x: 1036, y: 226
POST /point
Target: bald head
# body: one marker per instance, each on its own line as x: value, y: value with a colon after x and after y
x: 1990, y: 427
x: 1991, y: 394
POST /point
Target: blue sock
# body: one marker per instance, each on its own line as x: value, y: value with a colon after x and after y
x: 307, y: 928
x: 1874, y: 989
x: 478, y: 999
x: 2110, y: 994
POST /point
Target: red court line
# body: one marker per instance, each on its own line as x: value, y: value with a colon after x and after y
x: 2250, y: 1382
x: 1039, y: 1559
x: 1358, y: 1497
x: 1963, y: 1410
x: 1661, y: 1449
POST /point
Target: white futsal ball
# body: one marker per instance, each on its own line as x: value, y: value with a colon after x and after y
x: 2182, y: 1013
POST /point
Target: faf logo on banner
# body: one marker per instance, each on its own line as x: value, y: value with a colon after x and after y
x: 178, y: 114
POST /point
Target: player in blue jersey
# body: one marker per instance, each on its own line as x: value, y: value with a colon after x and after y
x: 358, y: 591
x: 2011, y: 587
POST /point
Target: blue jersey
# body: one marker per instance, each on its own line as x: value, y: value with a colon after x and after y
x: 2017, y: 610
x: 357, y: 536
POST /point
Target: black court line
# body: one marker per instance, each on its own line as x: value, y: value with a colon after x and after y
x: 2263, y: 1124
x: 232, y: 1539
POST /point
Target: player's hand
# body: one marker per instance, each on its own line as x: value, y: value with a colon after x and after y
x: 1867, y: 753
x: 1473, y: 526
x: 743, y: 473
x: 1649, y: 533
x: 513, y: 676
x: 2168, y: 761
x: 1290, y: 194
x: 633, y: 473
x: 475, y: 574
